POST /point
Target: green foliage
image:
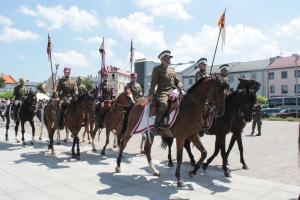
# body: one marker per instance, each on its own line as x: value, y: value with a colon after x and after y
x: 89, y: 84
x: 2, y: 82
x: 261, y: 99
x: 8, y: 95
x: 40, y: 88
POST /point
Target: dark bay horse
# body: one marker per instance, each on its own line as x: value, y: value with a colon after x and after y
x: 114, y: 117
x: 237, y: 126
x: 26, y: 113
x: 75, y: 116
x: 187, y: 124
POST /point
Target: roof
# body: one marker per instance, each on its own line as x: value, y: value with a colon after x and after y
x: 8, y: 79
x: 284, y: 62
x: 234, y: 67
x: 112, y: 69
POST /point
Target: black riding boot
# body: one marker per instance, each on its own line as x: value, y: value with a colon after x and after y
x: 158, y: 122
x: 61, y: 117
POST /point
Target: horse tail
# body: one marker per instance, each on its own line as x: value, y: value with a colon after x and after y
x: 165, y: 141
x: 124, y: 125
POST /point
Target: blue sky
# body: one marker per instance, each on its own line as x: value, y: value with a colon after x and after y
x: 254, y: 30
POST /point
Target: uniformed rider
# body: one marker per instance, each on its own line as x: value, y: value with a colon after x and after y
x: 202, y: 62
x: 20, y: 93
x: 166, y: 80
x: 135, y: 87
x: 81, y: 87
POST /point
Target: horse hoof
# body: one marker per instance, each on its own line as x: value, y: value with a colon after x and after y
x: 245, y: 167
x: 90, y: 142
x: 204, y: 166
x: 24, y: 143
x: 18, y: 141
x: 31, y: 143
x: 40, y: 138
x: 73, y: 156
x: 83, y: 140
x: 142, y: 152
x: 170, y: 164
x: 58, y: 143
x: 115, y: 146
x: 180, y: 184
x: 227, y: 174
x: 94, y: 150
x: 103, y: 153
x: 156, y: 174
x: 6, y: 139
x: 191, y: 174
x: 77, y: 157
x: 118, y: 169
x: 193, y: 163
x: 65, y: 140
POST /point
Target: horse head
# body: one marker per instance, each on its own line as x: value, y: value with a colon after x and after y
x: 30, y: 102
x: 252, y: 84
x: 216, y: 95
x: 128, y: 95
x: 248, y: 99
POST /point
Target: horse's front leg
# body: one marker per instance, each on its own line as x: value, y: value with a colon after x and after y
x: 231, y: 144
x: 240, y: 145
x: 73, y: 147
x: 107, y: 141
x: 223, y: 154
x: 31, y: 122
x: 179, y: 144
x: 187, y: 146
x: 147, y: 149
x: 23, y: 132
x: 93, y: 135
x: 78, y: 149
x: 170, y: 143
x: 123, y: 144
x: 216, y: 152
x: 16, y: 131
x: 67, y: 135
x: 198, y: 144
x: 57, y: 136
x: 142, y: 143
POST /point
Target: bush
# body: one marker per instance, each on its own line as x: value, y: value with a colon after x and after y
x: 261, y: 99
x: 8, y: 95
x: 89, y: 84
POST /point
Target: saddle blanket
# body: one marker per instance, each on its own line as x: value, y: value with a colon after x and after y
x: 146, y: 122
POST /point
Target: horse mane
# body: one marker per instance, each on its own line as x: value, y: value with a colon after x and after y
x: 195, y: 85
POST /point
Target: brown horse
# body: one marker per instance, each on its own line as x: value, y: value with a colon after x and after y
x: 114, y: 117
x: 75, y: 117
x: 187, y: 124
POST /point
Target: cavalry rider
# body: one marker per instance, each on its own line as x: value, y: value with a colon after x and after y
x: 135, y: 87
x: 67, y: 90
x: 20, y: 93
x: 224, y: 72
x: 202, y: 62
x: 81, y: 87
x: 166, y: 80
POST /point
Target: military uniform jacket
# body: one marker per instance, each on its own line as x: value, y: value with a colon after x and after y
x: 19, y: 92
x: 166, y: 80
x: 81, y: 89
x: 105, y: 91
x: 136, y: 89
x: 257, y: 115
x: 66, y: 88
x: 200, y: 74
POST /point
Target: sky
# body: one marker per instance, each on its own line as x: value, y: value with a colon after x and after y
x: 255, y: 30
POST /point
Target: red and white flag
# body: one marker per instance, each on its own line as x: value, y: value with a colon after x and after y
x: 49, y: 48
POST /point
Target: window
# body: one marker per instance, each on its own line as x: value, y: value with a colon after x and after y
x: 284, y: 74
x: 284, y: 89
x: 297, y: 88
x: 271, y: 75
x: 113, y: 76
x: 290, y: 101
x: 253, y: 76
x: 297, y: 73
x: 190, y: 81
x: 272, y: 89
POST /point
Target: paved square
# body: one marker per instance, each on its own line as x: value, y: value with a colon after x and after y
x: 32, y: 173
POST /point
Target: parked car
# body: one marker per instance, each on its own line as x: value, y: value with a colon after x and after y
x: 267, y: 112
x: 290, y: 112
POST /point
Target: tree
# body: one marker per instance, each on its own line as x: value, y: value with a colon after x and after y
x: 2, y: 82
x: 7, y: 95
x: 261, y: 99
x: 89, y: 84
x: 40, y: 88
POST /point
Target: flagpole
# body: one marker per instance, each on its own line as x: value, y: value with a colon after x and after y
x: 215, y: 51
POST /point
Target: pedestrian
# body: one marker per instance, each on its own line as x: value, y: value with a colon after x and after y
x: 257, y: 115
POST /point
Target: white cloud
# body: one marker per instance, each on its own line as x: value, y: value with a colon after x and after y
x: 71, y: 59
x: 57, y: 17
x: 26, y: 11
x: 139, y: 27
x: 167, y: 8
x: 5, y: 21
x: 12, y: 34
x: 290, y: 29
x: 242, y: 43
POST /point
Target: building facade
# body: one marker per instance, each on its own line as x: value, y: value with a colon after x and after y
x: 283, y: 76
x: 10, y: 83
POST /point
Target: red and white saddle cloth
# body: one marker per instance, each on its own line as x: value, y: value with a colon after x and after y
x: 146, y: 123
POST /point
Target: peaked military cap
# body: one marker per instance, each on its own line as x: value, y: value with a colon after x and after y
x: 224, y: 66
x: 165, y: 53
x: 202, y: 61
